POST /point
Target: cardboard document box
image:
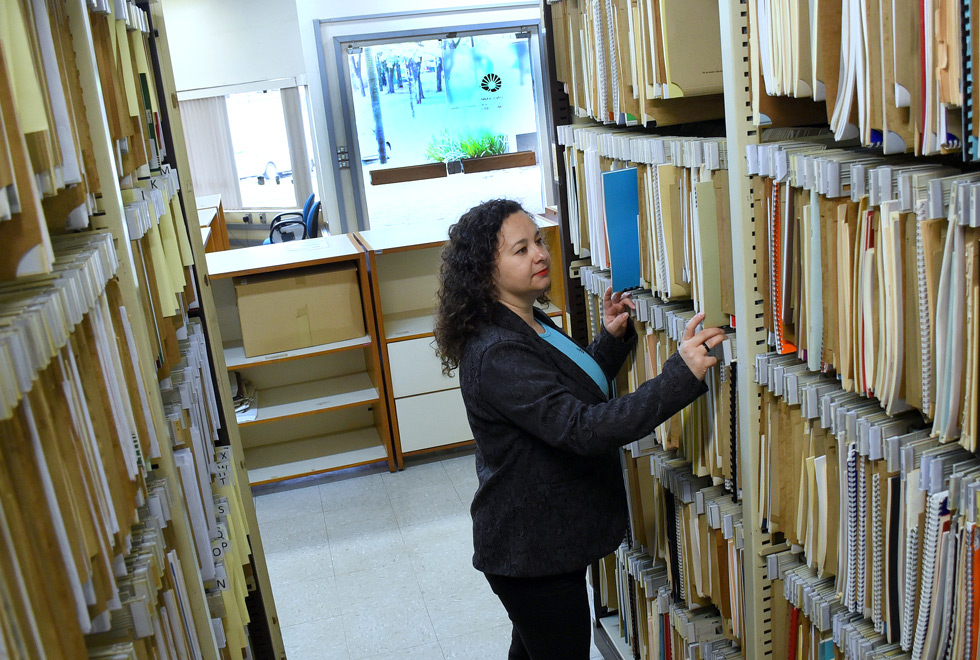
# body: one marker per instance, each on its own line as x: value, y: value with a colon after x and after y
x: 307, y: 307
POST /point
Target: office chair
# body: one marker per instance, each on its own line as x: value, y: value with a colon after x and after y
x: 301, y: 216
x: 313, y: 222
x: 286, y: 229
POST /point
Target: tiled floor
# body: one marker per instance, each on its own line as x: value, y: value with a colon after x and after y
x: 378, y: 566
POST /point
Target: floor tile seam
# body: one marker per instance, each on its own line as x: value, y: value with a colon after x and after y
x: 375, y: 605
x: 405, y: 649
x: 411, y: 493
x: 286, y: 518
x: 347, y: 643
x: 480, y: 629
x: 391, y: 507
x: 425, y: 605
x: 333, y: 564
x: 350, y: 653
x: 444, y: 654
x: 314, y: 620
x: 407, y: 470
x: 355, y: 531
x: 460, y: 496
x: 462, y: 484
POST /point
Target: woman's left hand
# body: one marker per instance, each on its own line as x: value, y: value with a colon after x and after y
x: 616, y: 312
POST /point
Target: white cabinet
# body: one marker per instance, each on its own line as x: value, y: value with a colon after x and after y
x: 415, y: 368
x: 432, y: 420
x: 426, y: 407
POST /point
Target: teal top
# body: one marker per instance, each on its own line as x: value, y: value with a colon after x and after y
x: 577, y: 355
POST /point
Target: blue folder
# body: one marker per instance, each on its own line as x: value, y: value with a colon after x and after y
x: 621, y: 200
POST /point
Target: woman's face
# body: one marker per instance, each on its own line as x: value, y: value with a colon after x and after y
x: 523, y: 261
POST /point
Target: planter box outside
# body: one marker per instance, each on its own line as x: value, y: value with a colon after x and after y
x: 383, y: 176
x: 380, y: 177
x: 501, y: 162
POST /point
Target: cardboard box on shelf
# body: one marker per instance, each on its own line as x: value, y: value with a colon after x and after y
x: 307, y: 307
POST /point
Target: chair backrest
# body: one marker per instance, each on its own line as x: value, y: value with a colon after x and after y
x: 289, y: 229
x: 313, y: 222
x: 308, y: 206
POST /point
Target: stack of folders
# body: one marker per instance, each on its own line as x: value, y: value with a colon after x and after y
x: 705, y: 431
x: 216, y: 516
x: 41, y: 139
x: 871, y: 271
x: 620, y: 60
x: 897, y: 75
x: 880, y: 519
x: 120, y: 35
x: 152, y: 594
x: 655, y: 211
x: 680, y: 580
x: 90, y: 561
x: 43, y: 152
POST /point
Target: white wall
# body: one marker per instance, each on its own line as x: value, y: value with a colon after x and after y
x: 220, y: 43
x: 368, y: 17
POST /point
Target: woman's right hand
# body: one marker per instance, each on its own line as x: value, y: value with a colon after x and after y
x: 694, y: 347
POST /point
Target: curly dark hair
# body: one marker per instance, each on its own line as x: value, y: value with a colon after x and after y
x: 467, y: 289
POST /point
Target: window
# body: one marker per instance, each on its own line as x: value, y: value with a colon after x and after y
x: 264, y: 159
x: 445, y: 101
x: 258, y: 136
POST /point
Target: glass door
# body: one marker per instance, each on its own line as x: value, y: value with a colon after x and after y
x: 440, y: 123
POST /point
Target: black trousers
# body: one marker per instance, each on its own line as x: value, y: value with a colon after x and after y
x: 550, y: 615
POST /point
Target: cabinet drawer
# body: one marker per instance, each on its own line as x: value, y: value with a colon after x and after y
x: 432, y: 420
x: 415, y: 368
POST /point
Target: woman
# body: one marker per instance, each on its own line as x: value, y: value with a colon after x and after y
x: 551, y: 498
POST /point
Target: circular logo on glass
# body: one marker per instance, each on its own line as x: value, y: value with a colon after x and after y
x: 491, y: 82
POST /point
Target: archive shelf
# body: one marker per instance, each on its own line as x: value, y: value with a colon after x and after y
x: 744, y: 303
x: 318, y: 408
x: 125, y: 501
x: 405, y: 262
x: 260, y: 585
x: 888, y: 198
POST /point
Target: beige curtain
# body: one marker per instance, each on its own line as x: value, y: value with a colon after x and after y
x: 210, y: 150
x: 296, y: 134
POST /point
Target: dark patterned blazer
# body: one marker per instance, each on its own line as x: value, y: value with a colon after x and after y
x: 551, y: 497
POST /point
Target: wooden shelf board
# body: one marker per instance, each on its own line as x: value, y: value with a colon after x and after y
x: 297, y: 458
x: 403, y: 237
x: 313, y: 397
x: 543, y: 221
x: 409, y: 325
x: 429, y: 450
x: 235, y: 353
x: 281, y: 256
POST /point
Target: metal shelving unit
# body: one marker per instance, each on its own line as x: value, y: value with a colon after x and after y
x: 265, y: 632
x: 751, y: 334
